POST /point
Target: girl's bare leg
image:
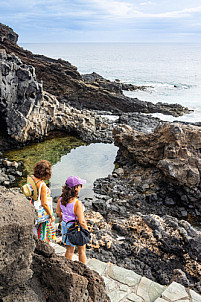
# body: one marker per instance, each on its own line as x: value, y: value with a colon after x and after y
x: 69, y: 252
x: 82, y: 253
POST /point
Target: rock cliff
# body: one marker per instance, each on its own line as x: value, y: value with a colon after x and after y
x: 62, y: 80
x: 29, y: 269
x: 29, y: 113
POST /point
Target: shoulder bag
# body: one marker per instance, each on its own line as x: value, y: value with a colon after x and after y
x: 77, y: 235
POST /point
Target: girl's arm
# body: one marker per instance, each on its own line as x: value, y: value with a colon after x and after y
x: 80, y: 215
x: 58, y: 209
x: 43, y: 199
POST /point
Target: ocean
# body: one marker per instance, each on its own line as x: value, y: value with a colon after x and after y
x: 172, y: 71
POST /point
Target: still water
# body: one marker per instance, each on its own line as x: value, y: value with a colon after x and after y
x: 68, y: 156
x: 88, y: 162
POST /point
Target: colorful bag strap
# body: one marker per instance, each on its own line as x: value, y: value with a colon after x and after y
x: 40, y: 190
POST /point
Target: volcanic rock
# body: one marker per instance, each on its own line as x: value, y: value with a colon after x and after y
x: 29, y: 269
x: 62, y: 80
x: 7, y: 34
x: 173, y: 148
x: 29, y: 113
x: 111, y: 86
x: 160, y: 248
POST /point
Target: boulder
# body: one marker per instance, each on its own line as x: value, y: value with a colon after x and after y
x: 29, y: 269
x: 173, y: 148
x: 17, y: 243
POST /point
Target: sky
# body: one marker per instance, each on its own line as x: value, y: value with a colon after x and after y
x: 48, y: 21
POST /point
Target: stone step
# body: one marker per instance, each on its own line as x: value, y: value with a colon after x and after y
x: 123, y: 285
x: 177, y: 292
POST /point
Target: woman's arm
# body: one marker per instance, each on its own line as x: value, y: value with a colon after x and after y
x: 58, y: 209
x: 80, y: 215
x: 43, y: 199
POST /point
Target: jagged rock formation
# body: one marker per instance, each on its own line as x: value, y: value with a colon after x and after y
x: 20, y: 92
x: 113, y: 86
x: 140, y: 122
x: 29, y: 269
x: 160, y: 248
x: 29, y: 113
x: 7, y: 34
x: 62, y: 80
x: 173, y: 148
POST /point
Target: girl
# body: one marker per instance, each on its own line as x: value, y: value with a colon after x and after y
x: 67, y: 211
x: 42, y: 171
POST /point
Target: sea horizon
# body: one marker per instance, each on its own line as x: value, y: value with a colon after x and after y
x: 172, y: 71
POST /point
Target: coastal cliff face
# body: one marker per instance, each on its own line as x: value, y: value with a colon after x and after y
x: 62, y: 80
x: 20, y: 93
x: 29, y: 269
x: 29, y: 113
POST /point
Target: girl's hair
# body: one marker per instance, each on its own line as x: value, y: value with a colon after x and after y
x: 42, y: 169
x: 68, y: 193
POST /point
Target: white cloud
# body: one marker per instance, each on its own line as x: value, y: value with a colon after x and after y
x: 102, y: 16
x: 147, y: 3
x: 129, y: 10
x: 117, y: 8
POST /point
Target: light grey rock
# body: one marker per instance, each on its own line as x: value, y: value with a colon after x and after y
x: 97, y: 266
x: 152, y: 292
x: 195, y: 297
x: 133, y: 297
x: 123, y: 275
x: 174, y: 292
x: 117, y: 295
x: 123, y: 287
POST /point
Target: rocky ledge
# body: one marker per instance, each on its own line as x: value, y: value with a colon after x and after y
x: 62, y: 80
x: 31, y: 268
x: 164, y: 249
x: 112, y: 86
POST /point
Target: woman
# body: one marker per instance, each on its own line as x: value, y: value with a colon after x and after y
x: 67, y: 211
x: 42, y: 171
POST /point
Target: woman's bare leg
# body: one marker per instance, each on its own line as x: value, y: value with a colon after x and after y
x: 82, y: 253
x: 69, y: 252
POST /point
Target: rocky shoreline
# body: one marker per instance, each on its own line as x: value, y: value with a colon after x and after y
x: 161, y: 248
x: 136, y: 217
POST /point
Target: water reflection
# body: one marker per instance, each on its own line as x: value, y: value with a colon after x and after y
x: 68, y: 156
x: 88, y: 162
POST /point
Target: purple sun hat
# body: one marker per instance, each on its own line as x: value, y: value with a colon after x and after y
x: 73, y: 181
